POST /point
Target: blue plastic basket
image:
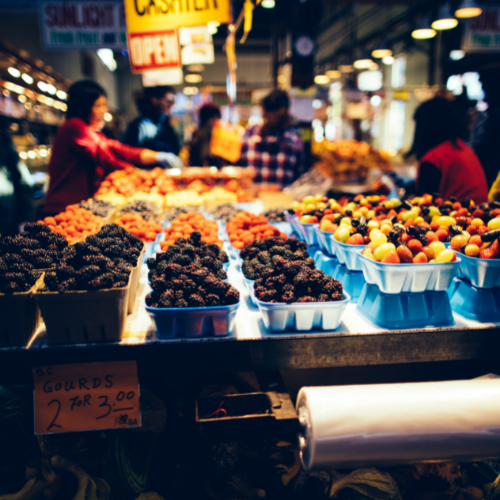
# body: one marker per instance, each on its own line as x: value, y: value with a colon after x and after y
x: 482, y: 273
x: 406, y: 310
x: 305, y: 317
x: 193, y: 321
x: 325, y: 241
x: 480, y: 304
x: 349, y: 255
x: 309, y: 234
x: 353, y: 282
x: 409, y: 278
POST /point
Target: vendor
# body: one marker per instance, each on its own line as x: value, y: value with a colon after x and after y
x: 199, y: 148
x: 82, y: 156
x: 446, y: 164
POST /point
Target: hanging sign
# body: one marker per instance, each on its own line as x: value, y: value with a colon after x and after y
x: 86, y: 396
x: 147, y: 15
x: 83, y: 25
x: 482, y: 34
x: 197, y: 45
x: 152, y: 50
x: 226, y: 141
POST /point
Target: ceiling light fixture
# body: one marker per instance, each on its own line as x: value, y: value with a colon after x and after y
x: 424, y: 31
x: 193, y: 78
x: 363, y: 62
x: 468, y: 9
x: 456, y: 55
x: 333, y: 74
x: 268, y: 4
x: 27, y: 78
x: 14, y: 72
x: 382, y: 51
x: 388, y: 60
x: 321, y: 80
x: 61, y: 94
x: 445, y: 20
x: 42, y: 86
x: 50, y: 89
x: 346, y: 68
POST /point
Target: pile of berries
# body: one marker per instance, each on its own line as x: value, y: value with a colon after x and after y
x: 141, y: 207
x: 225, y: 212
x: 190, y: 274
x: 244, y: 228
x: 103, y: 261
x: 37, y: 246
x: 277, y: 215
x: 263, y: 254
x: 15, y: 276
x: 98, y: 207
x: 174, y: 213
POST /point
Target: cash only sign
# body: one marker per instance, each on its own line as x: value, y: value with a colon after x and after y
x: 152, y: 28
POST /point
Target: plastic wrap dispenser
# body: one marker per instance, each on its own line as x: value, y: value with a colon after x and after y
x: 349, y: 427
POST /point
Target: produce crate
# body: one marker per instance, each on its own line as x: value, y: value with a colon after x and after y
x: 81, y: 317
x: 20, y: 317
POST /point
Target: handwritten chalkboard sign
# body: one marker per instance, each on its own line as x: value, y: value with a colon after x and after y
x: 86, y: 396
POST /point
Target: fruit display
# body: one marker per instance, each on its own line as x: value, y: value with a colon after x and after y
x: 236, y: 187
x: 98, y: 207
x: 185, y: 198
x: 261, y: 255
x: 190, y: 274
x: 37, y: 247
x: 186, y: 225
x: 118, y: 200
x: 199, y: 186
x: 174, y: 213
x: 276, y: 215
x: 154, y: 198
x: 146, y: 230
x: 16, y: 277
x: 221, y: 195
x: 225, y: 212
x: 141, y: 207
x: 244, y: 228
x: 103, y: 261
x: 131, y: 180
x: 348, y: 159
x: 74, y: 224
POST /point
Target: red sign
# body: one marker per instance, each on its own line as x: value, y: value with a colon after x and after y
x: 154, y: 50
x: 86, y: 396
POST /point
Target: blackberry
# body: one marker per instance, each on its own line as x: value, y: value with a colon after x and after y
x: 267, y: 295
x: 195, y: 238
x: 19, y: 268
x: 181, y: 259
x: 306, y: 299
x: 323, y: 298
x: 264, y: 258
x: 221, y: 274
x: 212, y: 300
x: 277, y: 251
x: 232, y: 296
x: 4, y: 267
x: 12, y: 258
x: 101, y: 282
x: 150, y: 298
x: 200, y: 274
x: 288, y: 297
x: 12, y: 288
x: 196, y: 300
x: 51, y: 280
x: 337, y: 296
x: 181, y: 303
x: 64, y: 272
x: 179, y: 294
x: 18, y: 278
x: 30, y: 243
x: 168, y: 294
x: 310, y: 262
x: 158, y: 285
x: 88, y: 273
x: 35, y: 227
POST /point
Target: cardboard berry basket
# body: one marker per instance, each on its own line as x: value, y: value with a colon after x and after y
x: 81, y: 317
x: 134, y: 281
x: 410, y: 278
x: 20, y: 316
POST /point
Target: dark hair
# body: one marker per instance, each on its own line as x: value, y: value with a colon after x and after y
x: 158, y: 91
x: 81, y: 97
x: 209, y: 111
x: 276, y: 100
x: 436, y: 121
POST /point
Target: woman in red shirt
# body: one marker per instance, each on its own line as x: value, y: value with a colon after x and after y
x: 82, y: 156
x: 447, y: 165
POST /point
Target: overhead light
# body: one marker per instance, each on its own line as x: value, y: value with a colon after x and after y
x: 193, y: 78
x: 22, y: 98
x: 50, y: 89
x: 333, y: 74
x: 190, y: 90
x: 43, y: 153
x: 321, y: 80
x: 374, y: 66
x: 382, y: 51
x: 32, y: 155
x: 23, y: 155
x: 196, y: 68
x: 14, y: 72
x: 445, y: 20
x: 317, y: 104
x: 212, y: 29
x: 467, y: 9
x: 61, y: 94
x: 108, y: 58
x: 42, y: 86
x: 27, y: 78
x: 424, y: 31
x: 346, y: 68
x: 456, y: 55
x: 268, y: 4
x: 375, y: 101
x: 363, y: 62
x: 108, y: 117
x: 388, y: 60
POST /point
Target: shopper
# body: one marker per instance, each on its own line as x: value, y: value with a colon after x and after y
x: 274, y: 150
x: 446, y: 165
x: 82, y: 155
x: 16, y: 189
x: 486, y: 133
x: 152, y: 129
x: 199, y: 148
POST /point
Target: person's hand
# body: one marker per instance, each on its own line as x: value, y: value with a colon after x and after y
x: 169, y: 160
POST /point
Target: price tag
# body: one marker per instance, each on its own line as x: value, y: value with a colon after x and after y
x: 226, y: 141
x: 86, y: 396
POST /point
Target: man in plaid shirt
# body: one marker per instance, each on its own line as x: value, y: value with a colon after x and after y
x: 274, y: 150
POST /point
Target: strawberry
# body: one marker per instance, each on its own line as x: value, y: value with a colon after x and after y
x: 355, y: 239
x: 391, y: 258
x: 441, y: 234
x: 431, y: 236
x: 415, y: 246
x: 492, y: 252
x: 420, y: 258
x: 404, y: 254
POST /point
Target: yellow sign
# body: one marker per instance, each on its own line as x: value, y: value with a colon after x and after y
x: 226, y: 141
x: 153, y: 15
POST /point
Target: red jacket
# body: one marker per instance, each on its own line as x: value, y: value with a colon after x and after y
x: 81, y: 158
x: 462, y: 175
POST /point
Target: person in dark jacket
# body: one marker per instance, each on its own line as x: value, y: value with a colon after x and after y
x: 199, y: 148
x: 16, y: 189
x: 152, y: 129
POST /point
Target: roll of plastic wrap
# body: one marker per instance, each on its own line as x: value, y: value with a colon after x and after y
x: 380, y: 425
